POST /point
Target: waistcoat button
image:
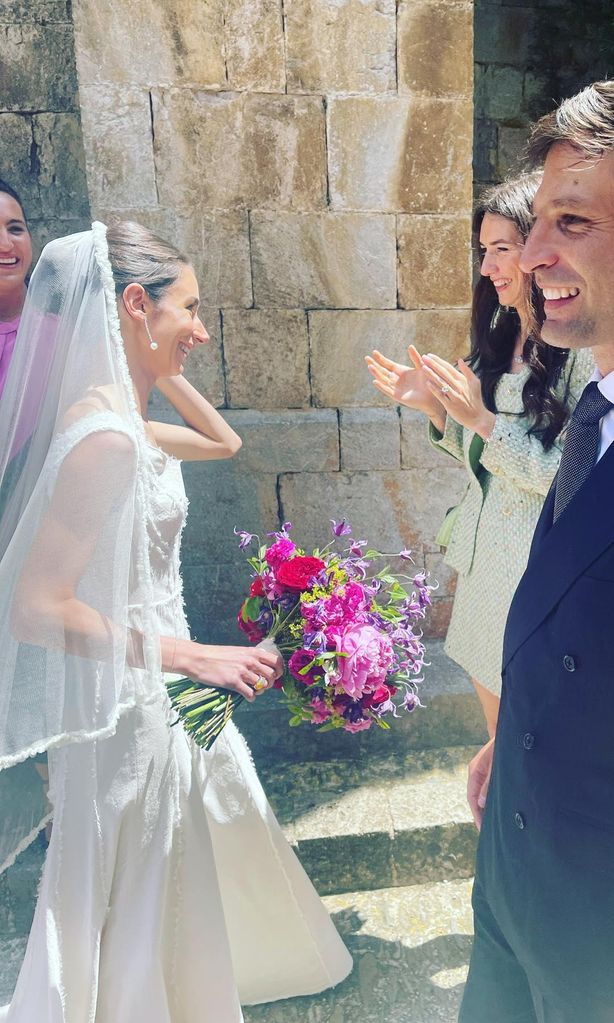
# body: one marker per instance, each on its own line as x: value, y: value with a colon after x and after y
x: 519, y: 820
x: 569, y: 662
x: 528, y: 741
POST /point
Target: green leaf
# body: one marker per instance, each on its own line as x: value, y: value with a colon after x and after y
x: 251, y: 609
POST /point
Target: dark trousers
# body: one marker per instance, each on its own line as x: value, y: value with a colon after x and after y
x: 500, y: 989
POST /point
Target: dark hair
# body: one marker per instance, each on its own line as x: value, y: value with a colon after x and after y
x: 584, y: 121
x: 9, y: 190
x: 138, y: 256
x: 495, y: 329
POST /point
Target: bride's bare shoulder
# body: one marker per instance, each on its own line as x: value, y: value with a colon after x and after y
x: 95, y: 400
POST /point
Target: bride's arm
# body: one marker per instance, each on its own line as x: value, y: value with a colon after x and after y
x: 206, y: 433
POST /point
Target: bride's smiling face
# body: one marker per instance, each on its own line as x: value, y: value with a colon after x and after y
x: 175, y: 326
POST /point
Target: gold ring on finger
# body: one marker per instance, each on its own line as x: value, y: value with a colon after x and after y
x: 260, y: 683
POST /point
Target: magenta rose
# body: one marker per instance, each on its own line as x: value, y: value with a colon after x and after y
x: 300, y: 659
x: 279, y: 552
x: 369, y: 656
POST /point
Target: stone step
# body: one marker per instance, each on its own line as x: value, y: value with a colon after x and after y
x: 390, y: 821
x: 411, y: 949
x: 452, y: 716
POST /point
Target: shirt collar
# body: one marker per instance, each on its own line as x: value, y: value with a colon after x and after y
x: 606, y: 384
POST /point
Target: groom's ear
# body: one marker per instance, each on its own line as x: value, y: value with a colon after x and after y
x: 136, y: 301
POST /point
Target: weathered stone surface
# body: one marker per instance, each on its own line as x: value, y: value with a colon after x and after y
x: 43, y: 12
x: 503, y: 35
x: 392, y: 510
x: 340, y: 339
x: 222, y: 495
x: 37, y: 67
x: 118, y: 174
x: 225, y: 276
x: 399, y: 154
x: 443, y: 331
x: 324, y: 260
x: 151, y: 43
x: 16, y: 157
x: 61, y: 165
x: 370, y: 438
x: 340, y: 47
x: 434, y: 261
x: 292, y: 440
x: 435, y: 47
x: 485, y: 139
x: 511, y: 152
x: 498, y: 92
x: 267, y: 358
x: 204, y: 369
x: 216, y: 243
x: 233, y: 149
x: 254, y: 45
x: 417, y: 452
x: 45, y: 230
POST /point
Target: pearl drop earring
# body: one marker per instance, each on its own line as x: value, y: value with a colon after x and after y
x: 152, y: 344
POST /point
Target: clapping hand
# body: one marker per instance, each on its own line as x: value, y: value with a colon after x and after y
x: 460, y: 393
x: 406, y: 385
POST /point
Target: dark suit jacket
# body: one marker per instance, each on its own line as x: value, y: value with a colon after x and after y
x: 546, y: 852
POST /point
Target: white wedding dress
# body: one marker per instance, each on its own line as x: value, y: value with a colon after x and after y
x: 169, y: 894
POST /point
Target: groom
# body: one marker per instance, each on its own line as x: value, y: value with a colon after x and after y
x: 544, y: 890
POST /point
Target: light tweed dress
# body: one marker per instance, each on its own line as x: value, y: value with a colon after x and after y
x: 490, y: 541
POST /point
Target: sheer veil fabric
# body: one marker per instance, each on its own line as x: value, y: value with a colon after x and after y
x: 73, y: 489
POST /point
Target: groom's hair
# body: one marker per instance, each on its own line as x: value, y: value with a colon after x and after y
x: 584, y: 121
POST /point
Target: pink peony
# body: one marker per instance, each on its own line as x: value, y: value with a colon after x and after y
x: 369, y: 658
x: 279, y: 552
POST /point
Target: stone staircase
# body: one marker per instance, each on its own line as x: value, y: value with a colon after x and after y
x: 380, y: 822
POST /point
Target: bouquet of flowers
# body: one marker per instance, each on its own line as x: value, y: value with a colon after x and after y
x: 352, y: 654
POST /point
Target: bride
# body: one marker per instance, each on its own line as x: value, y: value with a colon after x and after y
x: 169, y: 894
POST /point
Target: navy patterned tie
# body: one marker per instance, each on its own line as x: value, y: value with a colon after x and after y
x: 581, y: 445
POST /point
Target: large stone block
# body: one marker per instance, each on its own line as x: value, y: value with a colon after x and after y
x: 346, y: 46
x: 435, y: 47
x: 238, y: 150
x: 400, y: 154
x: 37, y: 67
x: 325, y: 260
x: 45, y: 230
x: 503, y: 35
x: 340, y: 339
x: 442, y: 331
x: 498, y: 92
x: 511, y: 152
x: 254, y: 45
x: 62, y: 180
x: 434, y: 261
x: 485, y: 139
x: 16, y: 160
x: 204, y: 369
x: 213, y: 594
x: 391, y: 509
x: 266, y: 352
x: 223, y: 495
x: 216, y: 243
x: 150, y: 44
x: 117, y: 137
x: 370, y: 438
x: 292, y: 440
x: 417, y: 452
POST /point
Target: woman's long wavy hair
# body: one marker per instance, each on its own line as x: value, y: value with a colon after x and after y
x: 495, y: 328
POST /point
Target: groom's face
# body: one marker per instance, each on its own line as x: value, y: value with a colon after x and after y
x: 571, y: 251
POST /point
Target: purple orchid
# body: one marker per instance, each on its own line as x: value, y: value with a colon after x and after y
x: 341, y: 528
x: 245, y: 537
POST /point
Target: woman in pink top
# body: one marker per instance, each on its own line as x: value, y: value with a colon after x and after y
x: 15, y: 263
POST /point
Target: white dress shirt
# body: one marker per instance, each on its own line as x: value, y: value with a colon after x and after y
x: 606, y: 432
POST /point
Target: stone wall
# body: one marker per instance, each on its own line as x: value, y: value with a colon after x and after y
x: 530, y: 54
x: 314, y: 159
x: 41, y: 148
